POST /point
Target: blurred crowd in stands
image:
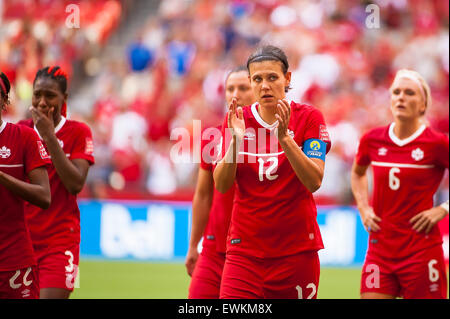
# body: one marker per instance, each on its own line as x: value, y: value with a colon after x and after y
x: 173, y: 69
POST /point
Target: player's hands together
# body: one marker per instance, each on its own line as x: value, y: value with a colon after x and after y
x: 191, y: 260
x: 236, y: 120
x: 370, y: 220
x: 43, y: 122
x: 283, y: 115
x: 426, y: 220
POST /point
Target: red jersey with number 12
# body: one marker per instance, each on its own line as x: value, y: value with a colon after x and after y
x: 21, y: 151
x: 60, y: 224
x: 406, y: 174
x: 274, y: 214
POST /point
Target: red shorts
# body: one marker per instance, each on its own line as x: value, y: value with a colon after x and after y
x: 59, y: 268
x: 419, y: 276
x: 288, y: 277
x: 205, y: 282
x: 19, y: 284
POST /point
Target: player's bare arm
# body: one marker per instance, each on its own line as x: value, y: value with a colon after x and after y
x: 201, y: 205
x: 360, y: 189
x: 73, y: 173
x: 225, y: 171
x: 37, y: 192
x: 426, y: 220
x: 308, y: 170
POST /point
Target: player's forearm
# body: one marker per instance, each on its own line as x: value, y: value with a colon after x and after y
x: 201, y: 206
x: 225, y: 171
x: 69, y: 174
x: 360, y: 190
x: 34, y: 194
x: 307, y: 171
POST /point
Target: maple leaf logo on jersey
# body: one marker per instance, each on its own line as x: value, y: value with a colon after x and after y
x: 42, y: 150
x: 5, y: 152
x: 417, y: 154
x: 382, y: 151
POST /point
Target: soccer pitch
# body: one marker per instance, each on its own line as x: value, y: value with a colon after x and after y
x: 139, y: 280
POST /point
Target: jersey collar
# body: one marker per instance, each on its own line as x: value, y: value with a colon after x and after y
x: 3, y: 126
x: 57, y: 128
x: 407, y: 140
x: 259, y: 119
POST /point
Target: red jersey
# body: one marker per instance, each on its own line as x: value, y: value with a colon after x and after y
x: 406, y: 175
x: 215, y: 235
x: 21, y: 151
x: 274, y: 214
x: 60, y: 224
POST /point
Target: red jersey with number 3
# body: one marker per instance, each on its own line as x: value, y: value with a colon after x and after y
x: 21, y: 151
x: 60, y: 224
x: 406, y: 175
x: 215, y: 234
x: 274, y: 214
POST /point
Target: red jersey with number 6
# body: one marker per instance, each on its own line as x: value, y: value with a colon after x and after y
x: 274, y: 214
x: 21, y: 151
x: 60, y: 224
x: 406, y: 175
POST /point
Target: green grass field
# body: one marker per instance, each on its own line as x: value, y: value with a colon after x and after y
x: 137, y: 280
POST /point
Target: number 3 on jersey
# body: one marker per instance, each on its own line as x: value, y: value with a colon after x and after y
x: 394, y: 181
x: 269, y: 170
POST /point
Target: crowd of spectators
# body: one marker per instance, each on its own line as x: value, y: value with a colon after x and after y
x: 342, y: 54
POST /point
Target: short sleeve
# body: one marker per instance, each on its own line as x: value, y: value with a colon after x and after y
x: 83, y: 148
x: 34, y: 153
x: 443, y: 151
x: 362, y: 155
x: 317, y: 129
x: 210, y: 147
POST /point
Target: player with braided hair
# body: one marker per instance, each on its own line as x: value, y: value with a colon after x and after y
x: 55, y: 231
x: 22, y: 158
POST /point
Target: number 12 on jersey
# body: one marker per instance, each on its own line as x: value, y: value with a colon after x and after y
x: 271, y: 169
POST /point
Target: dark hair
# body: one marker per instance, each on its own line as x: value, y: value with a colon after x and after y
x: 237, y: 69
x: 5, y: 87
x: 57, y: 74
x: 269, y: 53
x: 54, y: 73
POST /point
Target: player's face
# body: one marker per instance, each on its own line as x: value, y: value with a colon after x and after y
x: 268, y: 82
x: 407, y: 101
x: 238, y: 86
x: 47, y: 94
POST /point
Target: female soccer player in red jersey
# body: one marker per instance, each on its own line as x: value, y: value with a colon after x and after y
x: 211, y: 210
x: 276, y: 155
x: 405, y: 255
x: 22, y: 159
x: 55, y: 231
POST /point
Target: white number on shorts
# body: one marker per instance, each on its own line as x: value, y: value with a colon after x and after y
x: 394, y: 181
x: 26, y: 282
x: 433, y: 273
x: 311, y: 295
x: 270, y: 170
x: 70, y: 267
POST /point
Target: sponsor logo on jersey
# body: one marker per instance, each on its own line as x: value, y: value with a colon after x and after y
x: 323, y: 133
x: 417, y: 154
x: 42, y: 150
x: 89, y: 150
x: 290, y: 133
x: 249, y: 136
x: 382, y: 151
x: 5, y: 152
